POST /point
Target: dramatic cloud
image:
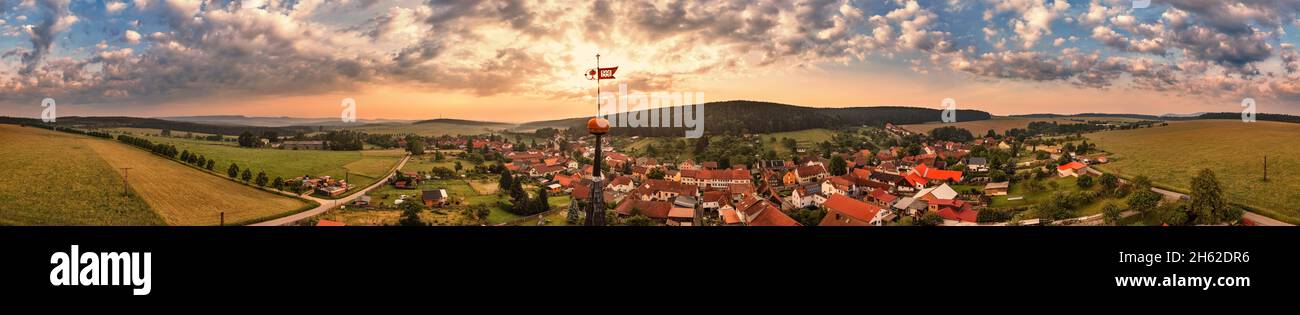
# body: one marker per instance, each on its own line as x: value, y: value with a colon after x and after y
x: 153, y: 51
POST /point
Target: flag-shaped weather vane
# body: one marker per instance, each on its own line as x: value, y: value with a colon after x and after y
x: 597, y: 126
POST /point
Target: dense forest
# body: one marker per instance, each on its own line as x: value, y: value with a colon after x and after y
x: 1260, y: 117
x: 765, y: 117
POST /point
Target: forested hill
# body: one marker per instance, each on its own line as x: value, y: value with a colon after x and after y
x: 153, y: 123
x: 1260, y: 117
x: 767, y: 117
x: 1196, y: 116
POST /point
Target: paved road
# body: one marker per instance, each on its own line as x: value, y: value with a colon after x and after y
x: 1259, y: 219
x: 327, y: 204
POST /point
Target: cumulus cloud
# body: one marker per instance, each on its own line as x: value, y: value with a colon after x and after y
x: 114, y: 6
x: 131, y: 37
x: 185, y: 48
x: 1034, y: 17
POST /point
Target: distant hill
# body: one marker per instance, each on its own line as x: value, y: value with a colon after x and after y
x: 460, y: 122
x: 241, y: 120
x: 1260, y: 117
x: 1134, y: 116
x: 154, y: 123
x: 556, y: 123
x: 768, y: 117
x: 1192, y: 116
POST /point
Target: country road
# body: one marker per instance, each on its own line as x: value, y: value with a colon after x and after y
x: 327, y: 204
x: 1259, y: 219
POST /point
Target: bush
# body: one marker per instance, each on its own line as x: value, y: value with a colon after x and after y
x: 994, y: 215
x: 1084, y: 181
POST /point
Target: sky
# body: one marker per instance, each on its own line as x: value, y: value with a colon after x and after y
x: 518, y: 61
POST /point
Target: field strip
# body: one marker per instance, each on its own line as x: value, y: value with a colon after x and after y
x: 185, y: 196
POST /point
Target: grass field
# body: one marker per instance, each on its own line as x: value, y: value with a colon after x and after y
x: 54, y: 178
x: 425, y: 163
x: 1172, y: 155
x: 87, y: 188
x: 1063, y: 184
x: 1002, y: 124
x: 433, y: 129
x: 158, y: 132
x: 361, y: 168
x: 805, y: 138
x: 458, y: 189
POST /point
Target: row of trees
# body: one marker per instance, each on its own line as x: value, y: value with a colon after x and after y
x: 261, y: 180
x: 98, y: 134
x: 197, y: 160
x: 201, y: 161
x: 162, y: 149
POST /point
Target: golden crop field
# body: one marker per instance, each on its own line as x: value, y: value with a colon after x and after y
x: 1171, y: 155
x: 182, y: 195
x: 55, y: 178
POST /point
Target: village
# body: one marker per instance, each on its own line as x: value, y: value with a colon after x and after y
x: 919, y: 180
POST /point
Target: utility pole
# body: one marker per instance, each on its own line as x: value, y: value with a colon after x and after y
x: 126, y: 184
x: 223, y: 219
x: 1266, y: 168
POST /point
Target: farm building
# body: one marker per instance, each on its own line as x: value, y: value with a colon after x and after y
x: 437, y: 197
x: 997, y: 189
x: 1072, y: 169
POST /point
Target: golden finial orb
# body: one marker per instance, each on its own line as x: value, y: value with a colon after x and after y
x: 598, y: 126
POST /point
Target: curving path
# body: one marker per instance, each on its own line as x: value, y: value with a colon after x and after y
x: 1259, y: 219
x: 327, y: 204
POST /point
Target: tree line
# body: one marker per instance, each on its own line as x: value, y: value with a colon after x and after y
x: 163, y: 149
x: 92, y: 133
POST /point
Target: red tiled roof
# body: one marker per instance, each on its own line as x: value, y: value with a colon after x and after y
x: 861, y: 173
x: 730, y: 217
x: 617, y: 156
x: 937, y: 174
x: 671, y: 186
x: 712, y: 196
x: 805, y: 171
x: 548, y: 169
x: 649, y: 209
x: 621, y: 181
x: 581, y: 190
x: 841, y: 182
x: 762, y: 213
x: 772, y: 217
x: 1071, y: 166
x: 956, y: 210
x: 722, y: 175
x: 679, y: 212
x: 851, y: 207
x: 566, y: 180
x: 914, y: 179
x: 882, y: 195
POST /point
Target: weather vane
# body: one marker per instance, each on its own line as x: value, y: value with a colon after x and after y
x: 598, y: 127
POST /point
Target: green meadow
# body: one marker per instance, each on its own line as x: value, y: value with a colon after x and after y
x: 1171, y: 155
